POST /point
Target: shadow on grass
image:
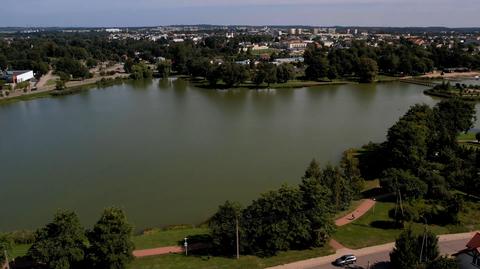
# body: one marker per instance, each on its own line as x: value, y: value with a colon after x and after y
x: 384, y: 224
x: 381, y: 265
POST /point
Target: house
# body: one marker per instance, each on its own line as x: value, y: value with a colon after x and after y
x: 17, y: 76
x: 469, y: 258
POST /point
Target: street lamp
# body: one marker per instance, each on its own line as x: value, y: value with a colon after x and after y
x: 185, y: 244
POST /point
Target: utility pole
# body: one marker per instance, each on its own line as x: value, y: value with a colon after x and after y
x: 238, y: 243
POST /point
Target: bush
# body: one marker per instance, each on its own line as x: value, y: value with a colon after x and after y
x: 22, y: 236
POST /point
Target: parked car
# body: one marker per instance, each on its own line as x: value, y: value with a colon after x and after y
x: 345, y: 260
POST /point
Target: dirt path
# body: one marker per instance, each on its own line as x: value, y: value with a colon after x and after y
x: 357, y: 213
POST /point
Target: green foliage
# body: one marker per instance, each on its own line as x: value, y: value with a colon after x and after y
x: 350, y: 166
x: 222, y: 227
x: 141, y: 71
x: 313, y: 170
x: 285, y: 72
x: 110, y: 241
x: 405, y: 182
x: 71, y: 67
x: 233, y: 74
x: 22, y: 85
x: 6, y: 244
x: 164, y: 68
x: 60, y: 244
x: 276, y: 221
x: 367, y: 69
x: 341, y: 190
x: 414, y: 250
x: 477, y: 136
x: 443, y: 262
x: 60, y: 85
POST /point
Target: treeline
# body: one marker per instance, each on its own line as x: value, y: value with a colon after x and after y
x: 424, y: 166
x: 291, y: 217
x: 64, y: 243
x: 72, y: 54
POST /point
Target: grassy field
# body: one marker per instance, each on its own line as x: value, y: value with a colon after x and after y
x: 178, y: 261
x: 375, y: 227
x: 161, y: 238
x: 467, y: 136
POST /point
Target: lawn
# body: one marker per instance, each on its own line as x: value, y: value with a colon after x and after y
x: 467, y: 136
x: 375, y: 227
x: 179, y: 261
x: 161, y: 238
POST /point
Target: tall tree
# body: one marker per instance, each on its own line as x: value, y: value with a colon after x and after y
x: 222, y: 227
x: 110, y: 241
x: 60, y: 244
x: 367, y: 70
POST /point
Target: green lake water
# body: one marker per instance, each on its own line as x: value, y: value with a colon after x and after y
x: 170, y: 153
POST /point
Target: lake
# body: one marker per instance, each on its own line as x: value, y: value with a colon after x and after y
x: 170, y: 153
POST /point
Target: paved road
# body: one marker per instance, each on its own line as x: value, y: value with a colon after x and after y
x: 449, y: 244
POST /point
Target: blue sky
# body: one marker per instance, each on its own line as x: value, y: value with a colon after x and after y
x: 452, y: 13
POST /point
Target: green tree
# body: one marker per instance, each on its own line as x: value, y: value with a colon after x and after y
x: 141, y: 71
x: 413, y: 250
x: 110, y: 241
x: 367, y: 70
x: 60, y: 244
x: 285, y: 72
x: 443, y: 262
x: 276, y: 222
x: 313, y: 170
x: 222, y: 227
x: 409, y: 186
x: 6, y: 244
x: 233, y: 74
x: 317, y: 208
x: 477, y: 136
x: 164, y: 68
x: 60, y: 85
x: 404, y: 254
x: 351, y: 171
x: 341, y: 191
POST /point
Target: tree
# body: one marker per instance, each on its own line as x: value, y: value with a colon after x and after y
x: 313, y: 170
x: 214, y: 74
x: 351, y: 171
x: 285, y: 72
x: 367, y: 69
x: 61, y: 243
x: 443, y: 262
x: 413, y: 250
x: 6, y: 244
x: 222, y: 227
x: 341, y: 191
x: 404, y: 254
x: 405, y: 182
x: 60, y: 85
x: 318, y: 68
x: 110, y: 241
x: 233, y: 74
x: 276, y: 222
x: 316, y: 199
x: 164, y: 68
x: 140, y: 71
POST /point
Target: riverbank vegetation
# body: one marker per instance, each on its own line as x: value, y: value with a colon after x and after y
x: 462, y: 91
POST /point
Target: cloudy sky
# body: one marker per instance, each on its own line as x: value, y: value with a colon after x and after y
x: 452, y: 13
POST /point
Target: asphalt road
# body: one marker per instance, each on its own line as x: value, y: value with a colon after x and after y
x: 379, y: 260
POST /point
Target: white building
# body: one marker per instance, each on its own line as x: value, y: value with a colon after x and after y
x: 18, y: 76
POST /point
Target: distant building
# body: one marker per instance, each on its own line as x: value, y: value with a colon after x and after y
x: 112, y: 30
x: 294, y: 45
x: 292, y: 31
x: 289, y: 60
x: 469, y: 258
x: 17, y: 76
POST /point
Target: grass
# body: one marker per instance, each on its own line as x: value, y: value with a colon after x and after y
x: 25, y: 97
x: 467, y: 136
x: 375, y: 228
x: 179, y: 261
x: 162, y: 238
x: 19, y: 250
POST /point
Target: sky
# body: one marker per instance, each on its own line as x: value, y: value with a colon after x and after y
x: 124, y: 13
